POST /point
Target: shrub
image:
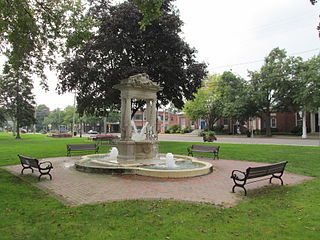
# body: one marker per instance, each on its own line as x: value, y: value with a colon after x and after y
x: 186, y: 130
x: 297, y: 130
x: 210, y: 133
x: 207, y: 134
x: 174, y: 128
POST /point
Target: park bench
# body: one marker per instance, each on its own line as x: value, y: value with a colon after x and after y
x: 44, y: 168
x: 81, y: 147
x: 205, y: 149
x: 110, y: 139
x: 240, y: 178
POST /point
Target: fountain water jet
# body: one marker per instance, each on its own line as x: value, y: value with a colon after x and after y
x: 170, y: 162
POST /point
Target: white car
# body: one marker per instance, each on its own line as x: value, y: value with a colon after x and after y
x: 92, y: 132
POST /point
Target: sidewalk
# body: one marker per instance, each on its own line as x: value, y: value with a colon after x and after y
x: 75, y: 188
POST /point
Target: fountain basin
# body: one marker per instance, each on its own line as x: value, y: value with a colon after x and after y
x: 192, y: 168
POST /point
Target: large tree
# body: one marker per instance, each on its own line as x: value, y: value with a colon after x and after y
x: 119, y: 49
x: 307, y: 90
x: 17, y: 98
x: 235, y: 94
x: 42, y: 111
x: 30, y: 37
x: 207, y: 103
x: 29, y: 30
x: 274, y: 84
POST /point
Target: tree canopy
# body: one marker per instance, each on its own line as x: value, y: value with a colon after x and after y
x: 307, y: 92
x: 235, y: 96
x: 207, y: 103
x: 119, y: 49
x: 274, y: 84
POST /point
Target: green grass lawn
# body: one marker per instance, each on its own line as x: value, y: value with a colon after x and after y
x: 289, y: 212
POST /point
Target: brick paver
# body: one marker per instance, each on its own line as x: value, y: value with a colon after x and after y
x: 75, y: 188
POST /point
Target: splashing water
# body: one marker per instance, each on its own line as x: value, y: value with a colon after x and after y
x: 139, y: 136
x: 170, y: 162
x: 113, y: 154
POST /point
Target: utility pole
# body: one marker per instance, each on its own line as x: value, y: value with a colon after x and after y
x: 74, y: 111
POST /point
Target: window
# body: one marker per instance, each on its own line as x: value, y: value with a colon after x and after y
x: 299, y: 119
x: 273, y: 122
x: 225, y: 121
x: 138, y: 117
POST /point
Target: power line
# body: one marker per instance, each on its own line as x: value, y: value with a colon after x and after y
x: 261, y: 60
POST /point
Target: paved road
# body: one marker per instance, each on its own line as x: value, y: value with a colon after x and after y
x: 245, y: 140
x: 275, y: 140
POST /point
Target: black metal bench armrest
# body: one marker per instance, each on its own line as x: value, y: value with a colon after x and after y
x: 189, y: 150
x: 49, y: 164
x: 240, y: 177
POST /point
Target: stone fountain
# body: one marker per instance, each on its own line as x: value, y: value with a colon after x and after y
x: 131, y: 150
x: 137, y: 153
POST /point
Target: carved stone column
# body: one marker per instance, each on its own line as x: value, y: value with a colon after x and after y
x: 126, y: 132
x: 153, y: 120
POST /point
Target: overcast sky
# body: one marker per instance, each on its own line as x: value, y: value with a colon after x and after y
x: 234, y: 35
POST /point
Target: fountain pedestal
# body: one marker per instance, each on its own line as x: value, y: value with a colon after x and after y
x: 137, y: 151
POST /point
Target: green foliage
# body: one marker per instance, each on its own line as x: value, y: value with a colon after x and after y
x: 42, y: 111
x: 55, y: 118
x: 235, y: 94
x: 308, y: 87
x: 187, y: 129
x: 174, y: 128
x: 297, y: 130
x: 273, y: 86
x: 206, y: 103
x: 151, y: 10
x: 119, y: 49
x: 210, y: 133
x: 17, y: 99
x: 28, y: 33
x: 288, y: 212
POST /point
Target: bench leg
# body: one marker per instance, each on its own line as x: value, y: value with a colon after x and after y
x: 26, y: 168
x: 42, y: 174
x: 241, y: 186
x: 278, y: 177
x: 239, y: 183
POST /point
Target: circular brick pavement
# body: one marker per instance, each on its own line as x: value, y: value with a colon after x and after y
x: 75, y: 188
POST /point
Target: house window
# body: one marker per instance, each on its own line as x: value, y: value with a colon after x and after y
x: 138, y: 117
x: 298, y: 119
x: 225, y: 121
x: 273, y: 122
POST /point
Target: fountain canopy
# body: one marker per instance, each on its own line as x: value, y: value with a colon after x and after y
x: 145, y: 148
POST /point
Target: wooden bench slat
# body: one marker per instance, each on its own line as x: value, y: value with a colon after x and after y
x: 205, y: 149
x: 81, y: 147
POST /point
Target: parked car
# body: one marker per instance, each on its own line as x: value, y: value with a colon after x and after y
x: 23, y: 130
x: 92, y: 132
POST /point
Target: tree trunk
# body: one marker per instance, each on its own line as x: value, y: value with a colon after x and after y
x: 18, y: 130
x: 268, y: 124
